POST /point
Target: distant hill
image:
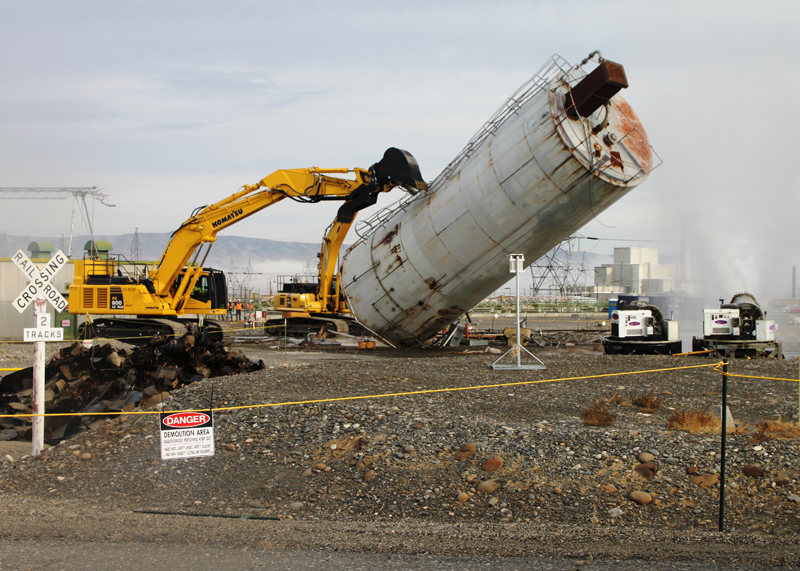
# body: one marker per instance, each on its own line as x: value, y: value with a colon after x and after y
x: 238, y: 249
x: 266, y: 256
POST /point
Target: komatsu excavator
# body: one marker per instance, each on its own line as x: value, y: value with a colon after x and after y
x: 151, y: 301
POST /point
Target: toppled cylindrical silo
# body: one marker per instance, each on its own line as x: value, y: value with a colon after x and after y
x: 561, y: 150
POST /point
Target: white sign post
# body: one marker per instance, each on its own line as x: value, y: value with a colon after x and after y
x: 39, y: 291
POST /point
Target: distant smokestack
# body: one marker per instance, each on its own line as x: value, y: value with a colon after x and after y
x: 684, y: 257
x: 794, y: 282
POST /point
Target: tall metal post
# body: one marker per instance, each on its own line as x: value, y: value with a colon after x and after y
x: 515, y: 266
x: 37, y: 438
x: 724, y: 444
x: 518, y: 269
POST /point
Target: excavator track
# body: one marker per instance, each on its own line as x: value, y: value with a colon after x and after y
x: 132, y: 331
x: 140, y: 331
x: 302, y: 326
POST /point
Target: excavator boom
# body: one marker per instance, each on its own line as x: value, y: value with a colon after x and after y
x: 178, y: 283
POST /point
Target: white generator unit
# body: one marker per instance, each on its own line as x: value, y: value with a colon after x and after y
x: 738, y: 329
x: 720, y: 322
x: 640, y: 329
x: 627, y: 323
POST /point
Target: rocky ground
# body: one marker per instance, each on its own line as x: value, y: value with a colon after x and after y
x: 509, y: 470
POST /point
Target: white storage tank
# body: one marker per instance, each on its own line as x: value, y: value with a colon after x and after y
x: 561, y: 150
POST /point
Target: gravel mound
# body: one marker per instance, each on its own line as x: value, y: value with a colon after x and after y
x: 515, y: 458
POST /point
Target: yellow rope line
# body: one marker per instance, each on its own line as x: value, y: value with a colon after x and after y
x: 139, y: 337
x: 339, y: 399
x: 764, y: 378
x: 11, y: 368
x: 752, y: 377
x: 694, y: 353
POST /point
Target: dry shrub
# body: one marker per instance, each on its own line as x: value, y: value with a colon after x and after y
x: 598, y: 415
x: 776, y: 429
x: 694, y: 421
x: 615, y: 399
x: 648, y: 402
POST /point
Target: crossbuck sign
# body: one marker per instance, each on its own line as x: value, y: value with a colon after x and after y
x: 40, y: 281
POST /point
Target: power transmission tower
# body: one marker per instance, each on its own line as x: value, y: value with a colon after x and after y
x: 558, y: 273
x: 59, y: 193
x: 136, y: 247
x: 4, y: 247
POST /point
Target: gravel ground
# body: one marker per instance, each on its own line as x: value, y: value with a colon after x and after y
x: 380, y: 474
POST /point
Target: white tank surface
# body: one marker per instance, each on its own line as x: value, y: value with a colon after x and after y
x: 561, y: 150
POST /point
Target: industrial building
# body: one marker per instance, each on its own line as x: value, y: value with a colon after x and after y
x: 635, y: 271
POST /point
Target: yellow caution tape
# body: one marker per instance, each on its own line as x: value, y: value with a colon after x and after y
x: 694, y: 353
x: 340, y: 399
x: 12, y: 369
x: 752, y: 377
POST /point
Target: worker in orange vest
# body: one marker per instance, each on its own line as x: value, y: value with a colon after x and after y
x: 238, y: 311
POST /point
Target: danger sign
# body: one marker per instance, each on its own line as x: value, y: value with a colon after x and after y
x: 187, y: 435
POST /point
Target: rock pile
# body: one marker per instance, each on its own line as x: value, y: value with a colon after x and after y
x: 105, y: 379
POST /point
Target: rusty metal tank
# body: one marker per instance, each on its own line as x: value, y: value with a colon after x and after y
x: 562, y: 149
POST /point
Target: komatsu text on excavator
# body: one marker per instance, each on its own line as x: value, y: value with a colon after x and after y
x: 175, y: 286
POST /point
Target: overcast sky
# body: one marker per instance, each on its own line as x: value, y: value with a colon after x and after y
x: 170, y: 105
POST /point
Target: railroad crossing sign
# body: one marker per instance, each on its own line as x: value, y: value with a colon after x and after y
x: 40, y: 281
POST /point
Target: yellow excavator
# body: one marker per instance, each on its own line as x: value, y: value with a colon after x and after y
x: 143, y: 302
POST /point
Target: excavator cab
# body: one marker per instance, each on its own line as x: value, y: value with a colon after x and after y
x: 209, y: 288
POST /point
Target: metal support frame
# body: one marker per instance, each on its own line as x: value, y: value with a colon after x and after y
x: 60, y: 193
x: 515, y: 263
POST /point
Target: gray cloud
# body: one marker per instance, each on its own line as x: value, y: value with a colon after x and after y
x: 183, y: 102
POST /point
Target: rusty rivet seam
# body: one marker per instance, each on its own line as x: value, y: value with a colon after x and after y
x: 385, y: 395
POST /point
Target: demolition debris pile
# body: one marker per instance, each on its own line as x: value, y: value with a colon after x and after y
x: 105, y: 379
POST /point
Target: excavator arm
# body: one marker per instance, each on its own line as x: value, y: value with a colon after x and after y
x: 397, y: 168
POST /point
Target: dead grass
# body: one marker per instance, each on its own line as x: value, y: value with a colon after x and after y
x: 695, y: 422
x: 648, y: 402
x: 618, y: 400
x: 598, y: 415
x: 776, y: 430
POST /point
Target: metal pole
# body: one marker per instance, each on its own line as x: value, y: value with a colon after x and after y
x: 37, y: 438
x: 519, y: 339
x: 724, y: 444
x: 72, y: 226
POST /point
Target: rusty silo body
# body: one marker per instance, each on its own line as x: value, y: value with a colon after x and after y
x: 561, y: 150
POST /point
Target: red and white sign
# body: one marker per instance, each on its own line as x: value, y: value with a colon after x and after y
x: 186, y: 419
x: 187, y: 435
